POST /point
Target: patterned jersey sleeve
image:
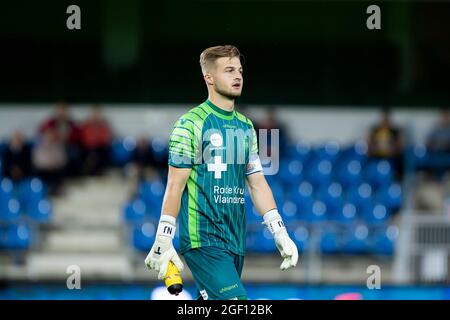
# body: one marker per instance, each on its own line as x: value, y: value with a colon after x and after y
x: 254, y: 163
x: 182, y: 144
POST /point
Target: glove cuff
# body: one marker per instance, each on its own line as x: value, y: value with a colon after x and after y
x: 166, y: 226
x: 273, y: 221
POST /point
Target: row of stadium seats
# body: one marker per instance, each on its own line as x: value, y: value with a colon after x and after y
x: 23, y: 205
x: 355, y: 239
x: 122, y: 150
x: 308, y: 204
x: 377, y: 173
x: 16, y: 237
x: 24, y: 200
x: 325, y: 185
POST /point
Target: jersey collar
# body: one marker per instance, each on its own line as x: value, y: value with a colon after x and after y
x: 227, y: 114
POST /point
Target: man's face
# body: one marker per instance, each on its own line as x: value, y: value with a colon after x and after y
x: 386, y: 120
x: 95, y: 113
x: 61, y: 112
x: 226, y: 76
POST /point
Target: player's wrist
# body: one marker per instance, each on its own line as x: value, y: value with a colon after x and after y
x: 167, y: 226
x: 273, y: 221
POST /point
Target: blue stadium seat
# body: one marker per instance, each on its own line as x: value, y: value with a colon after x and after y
x: 378, y: 173
x: 289, y: 212
x: 360, y: 196
x: 331, y: 195
x: 260, y: 241
x: 315, y: 213
x: 302, y: 151
x: 152, y: 193
x: 31, y: 192
x: 349, y: 173
x: 291, y: 173
x: 301, y: 238
x: 357, y: 151
x: 252, y: 215
x: 375, y: 214
x: 391, y: 196
x: 6, y: 189
x: 144, y: 236
x: 159, y: 149
x: 40, y: 211
x: 304, y: 197
x: 346, y: 214
x: 356, y: 240
x: 419, y: 154
x: 122, y: 150
x: 10, y: 210
x: 329, y: 151
x: 319, y: 173
x: 383, y: 240
x: 329, y: 241
x: 134, y: 211
x: 18, y: 237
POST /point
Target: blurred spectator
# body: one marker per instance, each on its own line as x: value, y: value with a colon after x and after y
x: 439, y: 138
x: 271, y: 122
x: 17, y: 158
x: 143, y: 160
x: 96, y: 138
x: 386, y: 142
x: 68, y: 133
x: 49, y: 159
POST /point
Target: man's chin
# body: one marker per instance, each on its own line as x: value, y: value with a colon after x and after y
x: 230, y: 94
x: 233, y: 95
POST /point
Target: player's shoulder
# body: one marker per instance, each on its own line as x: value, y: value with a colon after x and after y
x: 193, y: 117
x: 243, y: 118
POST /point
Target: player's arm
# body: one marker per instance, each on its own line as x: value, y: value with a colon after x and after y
x: 260, y: 193
x: 264, y: 202
x: 181, y: 159
x: 162, y: 251
x: 176, y: 182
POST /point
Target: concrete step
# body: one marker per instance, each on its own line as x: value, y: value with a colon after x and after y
x: 108, y: 221
x: 83, y: 241
x: 91, y: 266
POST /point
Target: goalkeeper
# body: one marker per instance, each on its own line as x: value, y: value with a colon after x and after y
x: 213, y: 153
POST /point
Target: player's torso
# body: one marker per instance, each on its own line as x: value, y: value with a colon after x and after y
x: 217, y: 183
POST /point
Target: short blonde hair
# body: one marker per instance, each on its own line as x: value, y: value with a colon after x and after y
x: 210, y: 55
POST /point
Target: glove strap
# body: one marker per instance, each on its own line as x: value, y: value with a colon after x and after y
x: 166, y: 226
x: 273, y: 221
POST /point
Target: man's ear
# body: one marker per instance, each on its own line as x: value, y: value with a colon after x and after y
x: 208, y: 79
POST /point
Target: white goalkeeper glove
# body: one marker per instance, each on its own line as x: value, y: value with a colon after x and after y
x: 162, y: 251
x: 284, y: 243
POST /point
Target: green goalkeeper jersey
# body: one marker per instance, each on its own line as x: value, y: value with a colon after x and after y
x: 221, y: 148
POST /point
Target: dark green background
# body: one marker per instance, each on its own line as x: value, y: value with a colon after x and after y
x: 296, y: 52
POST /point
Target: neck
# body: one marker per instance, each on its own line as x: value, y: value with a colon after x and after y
x: 221, y: 101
